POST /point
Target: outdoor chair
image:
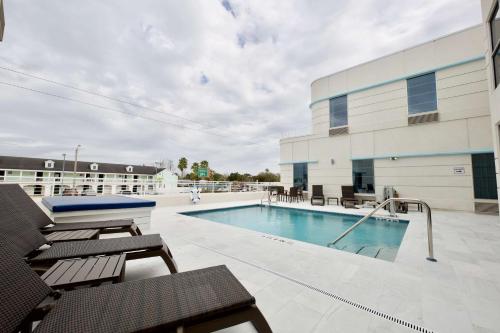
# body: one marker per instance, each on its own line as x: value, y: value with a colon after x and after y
x: 300, y: 194
x: 23, y: 203
x: 348, y: 194
x: 281, y: 192
x: 293, y: 194
x: 203, y: 300
x: 317, y: 194
x: 27, y: 240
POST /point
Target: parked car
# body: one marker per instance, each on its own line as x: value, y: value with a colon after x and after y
x: 89, y: 192
x: 126, y: 192
x: 70, y: 192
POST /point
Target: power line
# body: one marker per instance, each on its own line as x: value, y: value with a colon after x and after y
x: 120, y: 111
x: 100, y: 95
x: 105, y: 107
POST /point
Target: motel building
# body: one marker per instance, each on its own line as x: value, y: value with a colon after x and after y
x: 45, y: 177
x: 418, y: 120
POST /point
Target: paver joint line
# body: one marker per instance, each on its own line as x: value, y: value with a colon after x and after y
x: 324, y: 292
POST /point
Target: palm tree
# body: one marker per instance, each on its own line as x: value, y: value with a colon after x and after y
x: 194, y: 168
x: 183, y: 164
x: 204, y: 164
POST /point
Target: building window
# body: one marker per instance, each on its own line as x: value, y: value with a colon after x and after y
x: 49, y: 164
x: 422, y: 93
x: 130, y: 168
x: 94, y: 167
x: 483, y: 171
x: 363, y: 177
x: 495, y: 43
x: 300, y: 175
x: 338, y: 111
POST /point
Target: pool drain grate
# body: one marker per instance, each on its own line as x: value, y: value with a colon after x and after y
x: 326, y: 293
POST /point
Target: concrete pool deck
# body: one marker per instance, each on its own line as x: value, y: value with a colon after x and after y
x: 302, y: 287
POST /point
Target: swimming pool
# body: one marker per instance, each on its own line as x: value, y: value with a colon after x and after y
x: 377, y: 238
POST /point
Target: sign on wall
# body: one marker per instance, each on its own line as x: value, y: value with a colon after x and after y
x: 458, y: 170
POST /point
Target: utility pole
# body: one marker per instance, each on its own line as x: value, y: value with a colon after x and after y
x: 76, y: 162
x: 2, y: 20
x: 62, y: 174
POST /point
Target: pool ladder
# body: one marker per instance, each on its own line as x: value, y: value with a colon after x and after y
x: 391, y: 201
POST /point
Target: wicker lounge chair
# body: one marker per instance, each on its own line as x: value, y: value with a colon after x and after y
x: 35, y: 215
x: 348, y: 195
x: 203, y: 300
x: 317, y: 194
x: 27, y: 239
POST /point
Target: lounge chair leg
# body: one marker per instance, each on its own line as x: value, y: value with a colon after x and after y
x: 168, y: 258
x: 250, y: 314
x: 134, y: 230
x: 259, y: 322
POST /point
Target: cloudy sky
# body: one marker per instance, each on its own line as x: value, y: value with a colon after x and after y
x: 143, y: 81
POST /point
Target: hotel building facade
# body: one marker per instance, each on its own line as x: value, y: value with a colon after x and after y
x: 418, y: 120
x: 48, y: 177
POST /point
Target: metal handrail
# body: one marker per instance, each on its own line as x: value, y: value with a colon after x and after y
x: 383, y: 204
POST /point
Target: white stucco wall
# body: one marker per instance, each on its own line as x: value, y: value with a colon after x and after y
x: 378, y: 123
x: 494, y: 93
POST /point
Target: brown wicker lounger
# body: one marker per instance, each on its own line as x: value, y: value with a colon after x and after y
x: 203, y: 300
x: 35, y: 215
x: 26, y: 240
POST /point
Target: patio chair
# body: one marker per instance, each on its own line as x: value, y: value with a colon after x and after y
x: 281, y: 192
x: 27, y: 239
x: 300, y: 193
x: 203, y: 300
x: 293, y: 194
x: 347, y: 194
x: 317, y: 194
x: 23, y: 203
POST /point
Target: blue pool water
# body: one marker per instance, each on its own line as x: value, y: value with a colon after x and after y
x: 378, y: 238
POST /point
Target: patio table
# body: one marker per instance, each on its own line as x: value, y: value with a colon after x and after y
x: 92, y: 271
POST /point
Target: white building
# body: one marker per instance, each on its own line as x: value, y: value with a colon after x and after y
x: 46, y: 177
x: 418, y: 120
x: 491, y: 24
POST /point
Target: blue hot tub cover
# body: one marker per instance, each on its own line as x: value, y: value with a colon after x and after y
x: 69, y: 204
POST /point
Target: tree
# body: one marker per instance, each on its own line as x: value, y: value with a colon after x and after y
x: 267, y: 177
x: 183, y: 164
x: 235, y: 177
x: 194, y: 168
x: 218, y: 177
x: 204, y: 164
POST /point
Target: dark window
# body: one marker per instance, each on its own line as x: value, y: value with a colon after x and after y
x: 57, y: 189
x: 38, y: 190
x: 300, y: 175
x: 483, y: 171
x: 422, y: 93
x: 338, y: 111
x: 495, y: 43
x: 363, y: 177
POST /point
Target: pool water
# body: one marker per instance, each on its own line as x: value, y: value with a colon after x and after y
x: 377, y: 238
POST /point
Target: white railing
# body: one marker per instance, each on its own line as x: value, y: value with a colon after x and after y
x: 49, y: 186
x: 223, y: 186
x: 52, y: 185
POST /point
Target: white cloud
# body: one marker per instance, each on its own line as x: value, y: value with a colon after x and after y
x: 240, y: 68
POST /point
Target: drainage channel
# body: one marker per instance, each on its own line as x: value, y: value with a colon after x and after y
x: 377, y: 313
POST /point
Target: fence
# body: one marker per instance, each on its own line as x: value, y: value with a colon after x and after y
x: 48, y: 186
